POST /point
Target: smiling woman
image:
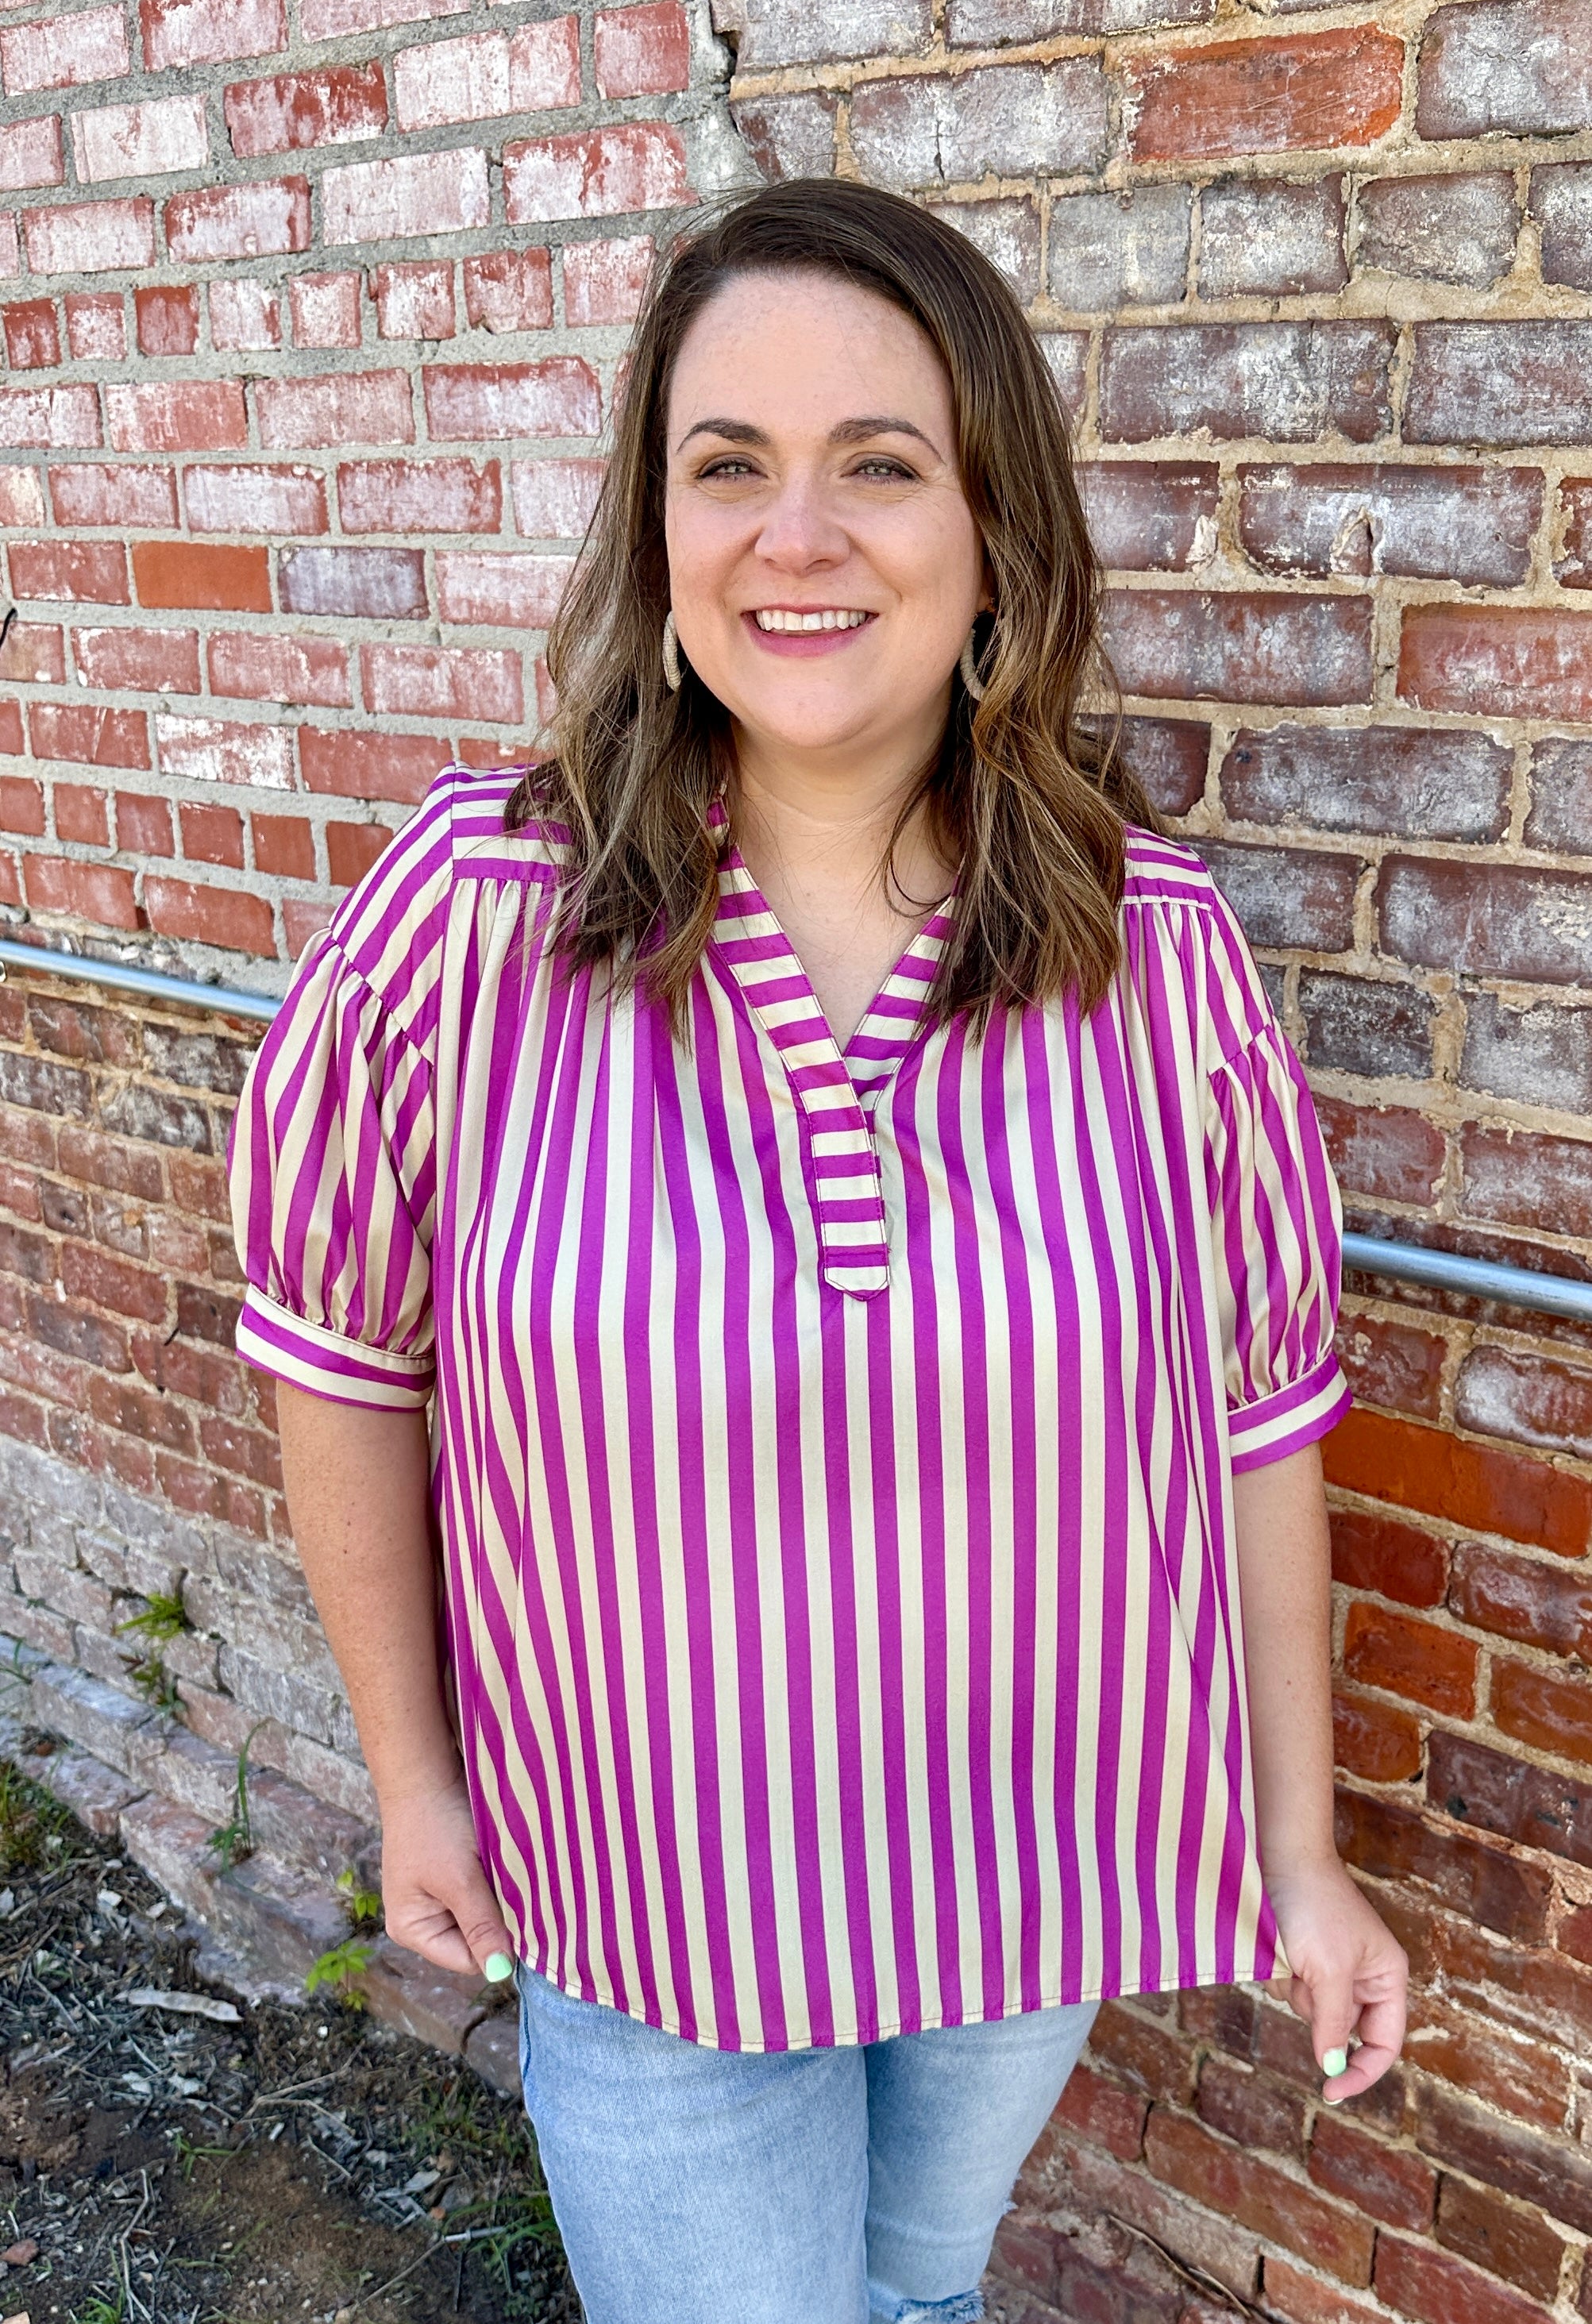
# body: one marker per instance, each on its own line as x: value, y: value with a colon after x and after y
x: 834, y: 1174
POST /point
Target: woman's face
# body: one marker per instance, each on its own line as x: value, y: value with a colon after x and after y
x: 811, y: 472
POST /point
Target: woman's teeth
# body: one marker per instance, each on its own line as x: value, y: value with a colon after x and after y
x: 777, y: 618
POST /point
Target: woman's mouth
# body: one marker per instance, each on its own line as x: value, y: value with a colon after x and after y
x: 803, y: 630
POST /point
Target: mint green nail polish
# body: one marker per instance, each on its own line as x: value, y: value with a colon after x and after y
x: 1335, y: 2063
x: 499, y: 1967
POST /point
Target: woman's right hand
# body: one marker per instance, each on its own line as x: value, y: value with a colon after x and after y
x: 437, y: 1899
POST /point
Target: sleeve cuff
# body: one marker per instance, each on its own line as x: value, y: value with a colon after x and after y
x: 325, y: 1363
x: 1290, y: 1417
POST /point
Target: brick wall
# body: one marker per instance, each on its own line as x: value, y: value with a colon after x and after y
x: 312, y: 333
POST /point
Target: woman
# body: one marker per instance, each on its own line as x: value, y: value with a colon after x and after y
x: 839, y: 1175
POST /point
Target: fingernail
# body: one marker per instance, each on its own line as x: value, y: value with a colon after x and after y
x: 1336, y: 2062
x: 499, y: 1967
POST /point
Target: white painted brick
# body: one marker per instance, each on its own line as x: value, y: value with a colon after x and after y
x: 140, y: 140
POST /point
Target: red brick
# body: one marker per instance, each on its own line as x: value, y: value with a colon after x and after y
x: 1427, y: 2285
x: 1371, y: 1551
x: 65, y: 50
x: 371, y: 583
x: 1389, y: 2183
x: 167, y: 320
x: 352, y: 848
x: 22, y: 799
x: 223, y: 498
x: 1390, y: 1152
x: 143, y: 825
x: 138, y: 661
x: 1459, y: 523
x: 633, y: 165
x: 1414, y: 1659
x: 1443, y: 785
x: 244, y: 314
x: 1392, y: 1842
x: 370, y: 766
x: 1516, y: 1598
x: 1253, y: 2108
x: 1497, y: 661
x: 22, y: 495
x: 30, y: 154
x: 176, y: 415
x: 1549, y: 2171
x: 370, y: 407
x: 1148, y: 516
x: 1375, y: 1741
x: 1312, y: 89
x: 210, y: 31
x: 443, y: 681
x: 324, y: 310
x: 158, y: 138
x: 220, y: 750
x: 1302, y: 2299
x: 257, y: 668
x: 1504, y: 2238
x: 556, y: 397
x: 500, y: 589
x: 33, y: 654
x: 642, y: 52
x: 1509, y: 65
x: 96, y: 324
x: 212, y: 834
x: 48, y: 419
x: 1240, y: 646
x: 1293, y: 382
x: 90, y: 891
x: 1392, y: 1364
x: 205, y: 574
x: 509, y: 291
x: 284, y: 846
x: 1499, y: 383
x: 93, y: 734
x: 291, y: 112
x: 224, y: 917
x: 420, y: 496
x: 1548, y: 1713
x: 91, y: 237
x: 603, y: 281
x: 1573, y: 567
x: 405, y: 194
x: 1259, y: 2197
x: 1102, y: 2111
x: 1139, y: 2050
x: 264, y: 217
x: 1521, y: 2079
x: 302, y: 917
x: 1470, y: 1485
x: 555, y: 500
x: 1287, y: 896
x: 414, y: 299
x: 33, y: 341
x: 103, y: 1281
x: 1460, y: 226
x: 89, y: 572
x: 1525, y: 924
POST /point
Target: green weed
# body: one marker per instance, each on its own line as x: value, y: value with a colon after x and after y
x: 234, y: 1839
x: 163, y: 1617
x: 361, y: 1905
x: 337, y: 1969
x: 32, y: 1824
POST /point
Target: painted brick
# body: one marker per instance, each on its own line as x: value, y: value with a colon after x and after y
x: 1518, y: 66
x: 138, y: 661
x: 280, y: 669
x: 50, y: 418
x: 1391, y: 1153
x: 264, y: 218
x: 1169, y: 757
x: 1150, y: 515
x: 371, y: 583
x: 166, y: 319
x: 774, y: 34
x: 1287, y: 896
x: 409, y: 194
x: 96, y: 324
x: 633, y: 165
x: 488, y: 74
x: 1573, y: 566
x: 32, y: 340
x: 1375, y: 1741
x: 1517, y: 663
x: 1500, y: 2236
x: 1008, y: 233
x: 1533, y: 1400
x: 443, y: 681
x: 216, y: 751
x: 328, y: 20
x: 499, y: 590
x: 414, y: 299
x: 1291, y: 381
x: 178, y: 573
x: 324, y: 310
x: 175, y: 415
x: 1246, y: 646
x: 1499, y: 383
x: 1561, y: 204
x: 89, y: 891
x: 1389, y: 1363
x: 790, y: 136
x: 210, y: 31
x: 1429, y: 524
x: 154, y: 139
x: 92, y: 572
x: 65, y: 50
x: 30, y: 154
x: 1471, y: 1485
x: 555, y: 500
x: 246, y: 315
x: 370, y: 407
x: 224, y: 498
x: 293, y: 112
x: 420, y: 496
x: 1541, y: 1055
x: 91, y: 736
x: 640, y: 51
x: 556, y: 397
x: 603, y: 281
x: 1108, y: 251
x: 1446, y: 783
x: 1266, y: 96
x: 22, y: 496
x: 928, y: 130
x: 370, y: 766
x: 91, y: 237
x: 1271, y: 239
x: 509, y: 291
x: 1458, y: 228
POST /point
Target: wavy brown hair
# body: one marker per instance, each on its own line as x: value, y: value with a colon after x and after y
x: 1027, y: 792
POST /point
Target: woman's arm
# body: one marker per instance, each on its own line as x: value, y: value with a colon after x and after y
x: 358, y: 1492
x: 1349, y: 1975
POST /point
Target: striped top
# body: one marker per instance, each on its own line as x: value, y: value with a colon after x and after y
x: 831, y: 1449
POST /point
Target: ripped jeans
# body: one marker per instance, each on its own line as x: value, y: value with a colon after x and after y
x: 697, y: 2186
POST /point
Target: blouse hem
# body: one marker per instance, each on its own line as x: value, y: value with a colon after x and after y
x: 1294, y: 1417
x: 326, y: 1363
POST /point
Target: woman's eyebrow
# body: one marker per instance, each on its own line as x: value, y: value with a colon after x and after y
x: 846, y: 431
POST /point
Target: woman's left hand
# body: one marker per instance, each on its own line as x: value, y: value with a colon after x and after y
x: 1349, y: 1974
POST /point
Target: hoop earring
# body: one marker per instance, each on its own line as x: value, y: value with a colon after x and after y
x: 969, y: 668
x: 671, y: 652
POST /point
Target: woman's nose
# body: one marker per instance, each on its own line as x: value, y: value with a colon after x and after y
x: 800, y: 528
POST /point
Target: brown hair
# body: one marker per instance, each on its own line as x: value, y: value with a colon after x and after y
x: 1028, y: 794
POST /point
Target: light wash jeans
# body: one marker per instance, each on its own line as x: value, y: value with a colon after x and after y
x: 697, y: 2186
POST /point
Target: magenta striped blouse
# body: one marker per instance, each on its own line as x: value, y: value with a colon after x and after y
x: 831, y: 1449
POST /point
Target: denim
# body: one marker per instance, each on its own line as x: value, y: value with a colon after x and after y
x: 833, y: 2186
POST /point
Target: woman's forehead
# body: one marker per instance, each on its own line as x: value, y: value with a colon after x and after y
x: 807, y: 343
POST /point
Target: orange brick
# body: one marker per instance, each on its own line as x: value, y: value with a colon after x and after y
x: 1418, y: 1660
x: 1267, y: 96
x: 202, y: 573
x: 1423, y: 1468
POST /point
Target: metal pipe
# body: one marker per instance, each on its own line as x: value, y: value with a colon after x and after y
x: 1441, y: 1270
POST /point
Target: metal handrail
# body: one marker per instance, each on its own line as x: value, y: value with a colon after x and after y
x: 1439, y: 1271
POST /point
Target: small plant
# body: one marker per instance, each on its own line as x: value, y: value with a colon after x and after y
x: 31, y: 1823
x: 337, y: 1967
x: 361, y: 1905
x: 102, y: 2311
x: 154, y: 1681
x: 234, y: 1839
x: 163, y: 1617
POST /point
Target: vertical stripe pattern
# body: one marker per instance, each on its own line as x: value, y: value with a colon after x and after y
x: 832, y: 1448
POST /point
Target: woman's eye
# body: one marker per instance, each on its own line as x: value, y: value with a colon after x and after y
x: 729, y: 467
x: 893, y: 472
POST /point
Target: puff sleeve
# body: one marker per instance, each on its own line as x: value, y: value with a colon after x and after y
x: 1276, y: 1221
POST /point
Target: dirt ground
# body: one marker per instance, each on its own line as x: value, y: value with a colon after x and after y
x: 265, y: 2166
